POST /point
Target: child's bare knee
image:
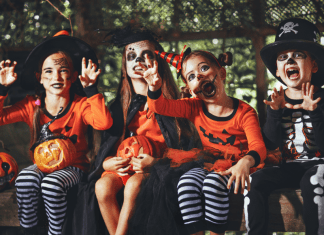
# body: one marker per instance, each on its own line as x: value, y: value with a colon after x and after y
x: 105, y: 189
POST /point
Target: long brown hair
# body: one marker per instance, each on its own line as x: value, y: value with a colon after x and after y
x: 169, y: 88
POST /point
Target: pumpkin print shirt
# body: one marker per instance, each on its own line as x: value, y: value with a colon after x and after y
x: 72, y: 122
x: 235, y: 134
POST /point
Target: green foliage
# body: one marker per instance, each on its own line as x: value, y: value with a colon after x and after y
x: 25, y: 23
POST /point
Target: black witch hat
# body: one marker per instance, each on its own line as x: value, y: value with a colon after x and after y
x: 75, y: 47
x: 123, y: 36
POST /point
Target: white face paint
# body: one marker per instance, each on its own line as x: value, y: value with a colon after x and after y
x: 135, y: 53
x: 318, y: 179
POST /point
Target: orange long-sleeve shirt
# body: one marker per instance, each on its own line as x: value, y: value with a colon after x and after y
x: 232, y: 134
x: 73, y: 122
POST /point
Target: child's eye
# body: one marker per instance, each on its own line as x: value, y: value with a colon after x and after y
x: 149, y: 53
x: 282, y: 57
x: 191, y: 77
x: 204, y: 68
x: 299, y: 55
x: 131, y: 56
x: 48, y: 71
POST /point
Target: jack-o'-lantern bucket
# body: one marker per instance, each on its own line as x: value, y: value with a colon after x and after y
x: 53, y: 151
x: 8, y: 170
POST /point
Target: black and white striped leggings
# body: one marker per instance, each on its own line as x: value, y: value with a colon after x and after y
x: 203, y: 200
x: 31, y: 183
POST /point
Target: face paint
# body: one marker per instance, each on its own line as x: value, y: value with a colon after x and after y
x: 295, y: 67
x: 204, y: 78
x: 206, y: 87
x: 295, y: 55
x: 56, y: 74
x: 135, y: 54
x: 61, y: 61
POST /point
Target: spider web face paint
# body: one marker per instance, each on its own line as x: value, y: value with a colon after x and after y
x: 61, y: 61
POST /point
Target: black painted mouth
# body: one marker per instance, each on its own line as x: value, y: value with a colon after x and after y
x: 207, y: 88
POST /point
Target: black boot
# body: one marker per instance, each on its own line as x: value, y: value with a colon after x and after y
x: 31, y: 231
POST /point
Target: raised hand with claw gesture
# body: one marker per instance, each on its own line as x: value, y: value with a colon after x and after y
x: 7, y: 72
x: 277, y: 99
x: 89, y: 74
x: 308, y: 103
x: 151, y: 74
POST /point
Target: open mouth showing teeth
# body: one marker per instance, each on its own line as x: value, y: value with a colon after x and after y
x: 292, y: 73
x: 58, y: 85
x: 7, y: 178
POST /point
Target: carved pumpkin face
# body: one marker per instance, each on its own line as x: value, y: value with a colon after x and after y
x: 8, y: 170
x: 54, y: 155
x: 135, y: 145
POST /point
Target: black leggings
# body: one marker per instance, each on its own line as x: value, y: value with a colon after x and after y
x: 308, y: 176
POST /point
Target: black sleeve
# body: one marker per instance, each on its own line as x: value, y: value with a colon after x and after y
x: 3, y: 90
x: 271, y: 130
x: 91, y: 90
x: 317, y: 119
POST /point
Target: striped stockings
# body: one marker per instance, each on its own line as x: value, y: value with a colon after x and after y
x: 203, y: 195
x: 31, y: 183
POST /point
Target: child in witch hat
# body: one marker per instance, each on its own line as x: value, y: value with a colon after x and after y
x: 295, y: 124
x: 54, y: 66
x: 224, y: 123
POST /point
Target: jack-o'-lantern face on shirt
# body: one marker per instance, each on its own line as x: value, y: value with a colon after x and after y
x: 57, y: 74
x: 135, y: 53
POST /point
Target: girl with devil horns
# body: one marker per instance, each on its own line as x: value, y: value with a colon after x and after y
x: 132, y: 117
x: 63, y: 114
x: 224, y: 123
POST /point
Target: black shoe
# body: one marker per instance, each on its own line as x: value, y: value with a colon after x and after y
x: 31, y: 231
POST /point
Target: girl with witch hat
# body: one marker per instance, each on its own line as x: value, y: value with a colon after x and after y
x: 54, y: 66
x: 294, y: 125
x: 133, y: 117
x: 223, y: 123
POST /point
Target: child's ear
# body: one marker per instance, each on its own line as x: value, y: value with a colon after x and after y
x: 74, y: 76
x: 315, y: 67
x: 277, y: 73
x: 223, y: 73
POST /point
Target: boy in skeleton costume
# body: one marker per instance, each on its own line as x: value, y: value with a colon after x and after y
x: 294, y: 124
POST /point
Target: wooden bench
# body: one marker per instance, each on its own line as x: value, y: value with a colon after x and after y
x: 285, y: 212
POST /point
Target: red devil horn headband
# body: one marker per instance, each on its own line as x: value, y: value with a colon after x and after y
x: 174, y: 59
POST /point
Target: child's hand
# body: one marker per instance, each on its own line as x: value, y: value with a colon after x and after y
x: 277, y: 99
x: 117, y: 164
x: 240, y: 173
x: 88, y: 74
x: 142, y: 163
x: 308, y: 104
x: 151, y: 74
x: 7, y: 72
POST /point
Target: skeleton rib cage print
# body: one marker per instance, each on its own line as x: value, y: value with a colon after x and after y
x: 298, y: 136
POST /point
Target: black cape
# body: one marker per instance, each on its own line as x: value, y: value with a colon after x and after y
x: 83, y: 215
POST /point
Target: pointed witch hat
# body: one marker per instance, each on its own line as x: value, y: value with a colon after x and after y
x: 46, y: 134
x: 174, y: 59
